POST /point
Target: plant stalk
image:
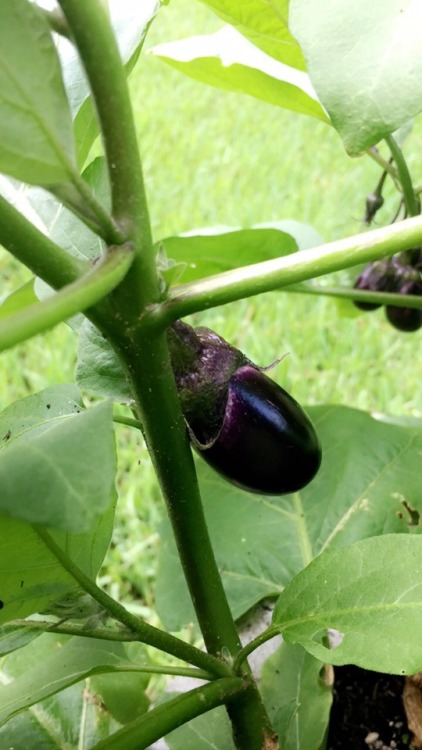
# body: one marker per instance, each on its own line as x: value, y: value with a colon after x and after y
x: 74, y: 298
x: 270, y: 275
x: 90, y: 27
x: 139, y: 734
x: 146, y: 633
x: 36, y: 251
x: 360, y: 295
x: 146, y: 358
x: 410, y: 200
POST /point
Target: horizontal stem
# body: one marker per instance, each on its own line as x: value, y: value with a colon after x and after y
x: 381, y: 298
x: 74, y: 298
x: 161, y: 720
x: 129, y: 421
x: 146, y: 633
x: 270, y: 275
x: 107, y: 634
x: 67, y: 628
x: 193, y: 673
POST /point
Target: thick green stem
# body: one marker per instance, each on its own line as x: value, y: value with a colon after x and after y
x: 410, y: 200
x: 74, y: 298
x: 160, y: 721
x: 270, y: 275
x: 42, y: 256
x: 146, y: 633
x: 145, y: 357
x: 149, y: 368
x: 90, y: 27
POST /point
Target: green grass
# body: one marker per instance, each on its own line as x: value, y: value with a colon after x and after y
x: 215, y: 158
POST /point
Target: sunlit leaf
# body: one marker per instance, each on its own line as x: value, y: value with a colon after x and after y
x: 371, y: 592
x: 365, y: 61
x: 57, y: 460
x: 264, y: 24
x: 261, y: 543
x: 228, y: 61
x: 36, y: 139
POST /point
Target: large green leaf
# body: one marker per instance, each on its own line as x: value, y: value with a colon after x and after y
x: 98, y: 368
x: 13, y: 637
x: 211, y: 731
x: 297, y: 697
x: 48, y: 666
x: 68, y: 720
x: 31, y: 577
x: 229, y: 61
x: 57, y: 460
x: 18, y: 300
x: 261, y: 543
x: 365, y: 61
x: 210, y: 251
x: 264, y: 24
x: 372, y: 593
x: 36, y: 139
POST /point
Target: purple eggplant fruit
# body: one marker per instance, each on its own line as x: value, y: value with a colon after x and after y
x: 376, y: 277
x: 407, y: 319
x: 240, y: 421
x: 266, y: 444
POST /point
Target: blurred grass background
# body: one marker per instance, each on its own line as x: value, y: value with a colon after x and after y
x: 215, y: 158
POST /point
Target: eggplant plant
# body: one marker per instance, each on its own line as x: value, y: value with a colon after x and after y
x: 336, y: 490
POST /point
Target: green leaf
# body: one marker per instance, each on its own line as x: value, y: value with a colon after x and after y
x: 122, y: 694
x: 13, y: 637
x: 36, y: 139
x: 261, y: 543
x: 365, y: 62
x: 48, y: 666
x: 31, y: 578
x: 209, y: 251
x: 18, y: 300
x: 70, y: 719
x: 98, y: 368
x: 211, y: 731
x: 228, y: 61
x: 265, y: 25
x: 372, y: 593
x: 297, y: 697
x: 57, y: 460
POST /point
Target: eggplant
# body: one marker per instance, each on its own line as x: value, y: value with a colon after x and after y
x: 407, y: 319
x: 266, y: 444
x: 239, y: 421
x: 376, y: 277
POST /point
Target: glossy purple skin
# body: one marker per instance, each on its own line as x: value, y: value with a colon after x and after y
x: 376, y: 277
x: 267, y: 444
x: 406, y: 319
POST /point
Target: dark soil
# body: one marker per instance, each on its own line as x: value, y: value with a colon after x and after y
x: 367, y: 712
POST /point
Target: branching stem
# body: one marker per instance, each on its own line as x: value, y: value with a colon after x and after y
x: 146, y: 633
x: 271, y: 275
